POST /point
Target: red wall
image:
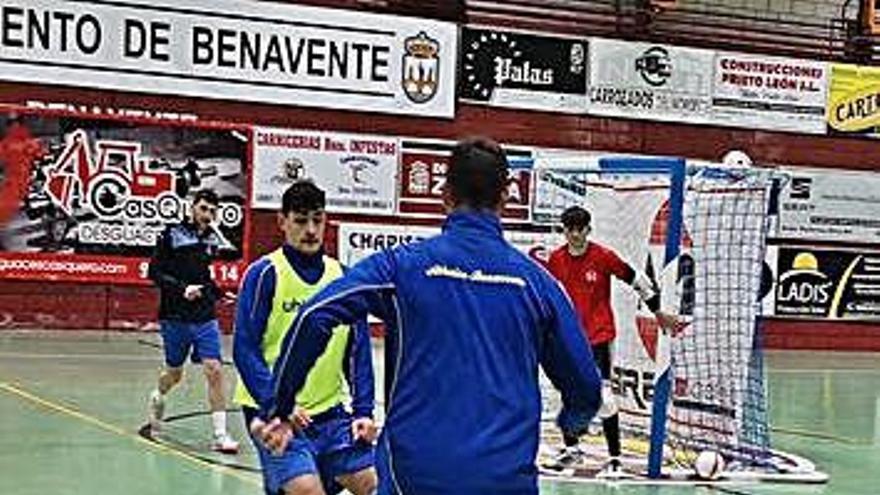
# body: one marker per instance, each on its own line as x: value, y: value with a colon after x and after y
x: 85, y: 306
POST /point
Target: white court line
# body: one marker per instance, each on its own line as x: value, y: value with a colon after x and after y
x: 100, y: 357
x: 821, y: 371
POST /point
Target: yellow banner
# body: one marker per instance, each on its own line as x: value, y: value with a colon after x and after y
x: 854, y: 98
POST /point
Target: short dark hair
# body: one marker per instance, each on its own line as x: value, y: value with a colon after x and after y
x: 208, y: 195
x: 302, y: 196
x: 576, y: 217
x: 477, y: 175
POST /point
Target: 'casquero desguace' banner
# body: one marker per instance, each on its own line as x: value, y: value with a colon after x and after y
x: 84, y: 198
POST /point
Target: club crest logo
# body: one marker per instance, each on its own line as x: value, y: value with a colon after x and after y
x: 421, y: 68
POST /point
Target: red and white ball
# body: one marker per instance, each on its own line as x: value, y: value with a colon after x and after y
x: 709, y: 465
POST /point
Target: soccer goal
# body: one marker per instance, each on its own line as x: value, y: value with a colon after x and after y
x: 699, y: 233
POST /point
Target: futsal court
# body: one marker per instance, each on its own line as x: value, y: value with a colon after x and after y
x: 73, y: 405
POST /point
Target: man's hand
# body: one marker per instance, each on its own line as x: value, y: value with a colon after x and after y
x: 364, y: 429
x: 300, y: 419
x: 670, y: 323
x: 192, y: 292
x: 274, y: 435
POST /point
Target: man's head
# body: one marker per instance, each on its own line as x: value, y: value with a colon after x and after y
x: 302, y: 217
x: 576, y: 225
x: 204, y: 208
x: 477, y: 176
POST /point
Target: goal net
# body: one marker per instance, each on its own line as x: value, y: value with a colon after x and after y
x: 699, y: 233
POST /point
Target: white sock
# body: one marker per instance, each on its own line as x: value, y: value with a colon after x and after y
x: 218, y: 418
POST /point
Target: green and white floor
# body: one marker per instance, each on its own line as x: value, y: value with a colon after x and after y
x: 71, y: 405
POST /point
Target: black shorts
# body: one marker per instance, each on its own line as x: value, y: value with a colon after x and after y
x: 602, y: 357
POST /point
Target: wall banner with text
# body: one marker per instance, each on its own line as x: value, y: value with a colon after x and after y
x: 828, y: 283
x: 650, y: 81
x: 830, y: 205
x: 266, y: 52
x: 763, y: 92
x: 423, y: 169
x: 521, y: 70
x: 84, y: 199
x: 359, y: 240
x: 357, y: 171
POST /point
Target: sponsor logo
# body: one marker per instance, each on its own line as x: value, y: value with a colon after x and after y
x: 800, y: 187
x: 856, y: 111
x: 421, y: 68
x: 804, y: 286
x: 655, y: 66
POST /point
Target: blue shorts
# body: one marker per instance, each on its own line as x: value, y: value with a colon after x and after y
x: 180, y: 337
x: 326, y: 448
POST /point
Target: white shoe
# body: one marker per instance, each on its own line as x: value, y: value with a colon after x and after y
x: 225, y: 444
x: 156, y: 411
x: 613, y: 470
x: 567, y: 459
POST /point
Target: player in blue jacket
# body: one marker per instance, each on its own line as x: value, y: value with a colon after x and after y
x: 468, y: 320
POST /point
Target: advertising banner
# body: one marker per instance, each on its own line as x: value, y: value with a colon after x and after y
x: 359, y: 240
x: 854, y: 100
x: 357, y: 171
x: 267, y: 52
x: 826, y: 205
x: 828, y: 283
x: 520, y: 70
x: 764, y: 92
x: 648, y: 81
x: 85, y: 199
x: 423, y: 169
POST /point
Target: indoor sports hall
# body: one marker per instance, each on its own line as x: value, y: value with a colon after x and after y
x: 440, y: 247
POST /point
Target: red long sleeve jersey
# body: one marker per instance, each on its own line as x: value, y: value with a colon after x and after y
x: 587, y: 280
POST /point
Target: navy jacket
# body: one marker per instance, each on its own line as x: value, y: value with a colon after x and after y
x: 469, y: 319
x: 183, y: 257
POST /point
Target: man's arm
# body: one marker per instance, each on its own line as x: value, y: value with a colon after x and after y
x: 359, y: 371
x: 568, y: 362
x: 251, y: 315
x: 361, y: 291
x: 646, y: 290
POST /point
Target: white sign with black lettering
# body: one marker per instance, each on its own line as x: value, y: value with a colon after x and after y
x: 758, y: 91
x: 359, y: 240
x: 236, y: 50
x: 648, y: 81
x: 826, y: 205
x: 358, y: 172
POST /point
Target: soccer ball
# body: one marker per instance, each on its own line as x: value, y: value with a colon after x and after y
x: 736, y: 158
x: 709, y: 465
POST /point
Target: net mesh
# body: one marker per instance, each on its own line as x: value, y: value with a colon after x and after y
x: 718, y: 396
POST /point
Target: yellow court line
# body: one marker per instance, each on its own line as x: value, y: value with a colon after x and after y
x: 59, y: 408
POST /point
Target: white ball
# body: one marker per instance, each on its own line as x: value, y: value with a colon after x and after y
x: 709, y: 465
x: 736, y: 158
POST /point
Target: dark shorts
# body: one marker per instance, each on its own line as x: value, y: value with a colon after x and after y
x: 602, y: 357
x: 326, y: 448
x: 182, y: 339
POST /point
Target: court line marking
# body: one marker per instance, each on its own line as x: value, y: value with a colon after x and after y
x: 68, y: 411
x: 102, y: 357
x: 823, y: 371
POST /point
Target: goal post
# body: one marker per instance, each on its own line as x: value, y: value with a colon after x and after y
x: 699, y: 233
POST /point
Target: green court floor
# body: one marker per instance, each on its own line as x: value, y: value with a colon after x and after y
x: 71, y: 405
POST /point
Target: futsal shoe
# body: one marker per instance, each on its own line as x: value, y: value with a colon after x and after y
x: 225, y: 444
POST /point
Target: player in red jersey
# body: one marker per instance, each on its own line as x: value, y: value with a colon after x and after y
x: 585, y: 269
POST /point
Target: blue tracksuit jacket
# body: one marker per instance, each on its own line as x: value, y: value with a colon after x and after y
x: 469, y: 319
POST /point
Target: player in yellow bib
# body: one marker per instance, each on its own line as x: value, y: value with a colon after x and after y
x: 335, y: 445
